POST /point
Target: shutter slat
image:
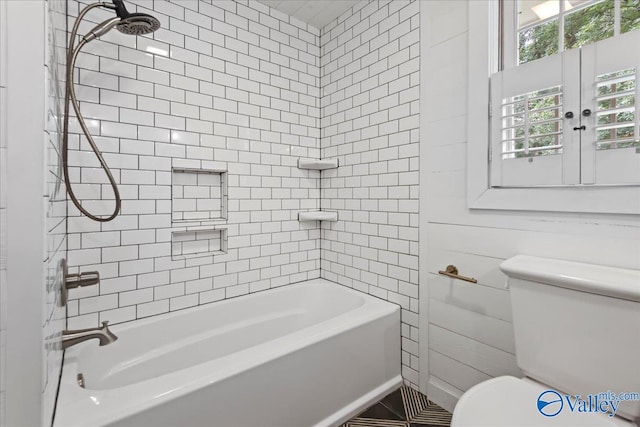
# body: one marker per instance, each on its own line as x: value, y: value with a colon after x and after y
x: 615, y: 111
x: 615, y: 126
x: 614, y: 80
x: 616, y: 95
x: 534, y: 136
x: 608, y: 135
x: 549, y: 147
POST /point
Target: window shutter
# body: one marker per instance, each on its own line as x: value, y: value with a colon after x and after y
x: 611, y: 142
x: 532, y: 143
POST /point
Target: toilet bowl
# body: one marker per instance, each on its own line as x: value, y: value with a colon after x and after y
x: 576, y: 335
x: 512, y: 402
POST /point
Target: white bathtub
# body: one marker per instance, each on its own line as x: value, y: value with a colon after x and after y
x: 309, y: 354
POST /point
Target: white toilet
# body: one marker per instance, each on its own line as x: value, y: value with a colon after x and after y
x: 577, y: 332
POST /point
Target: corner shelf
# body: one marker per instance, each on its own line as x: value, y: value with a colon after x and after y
x: 331, y: 216
x: 317, y: 164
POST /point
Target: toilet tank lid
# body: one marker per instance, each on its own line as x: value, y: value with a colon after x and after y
x: 596, y: 279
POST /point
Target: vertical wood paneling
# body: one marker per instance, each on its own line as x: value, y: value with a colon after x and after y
x: 470, y: 334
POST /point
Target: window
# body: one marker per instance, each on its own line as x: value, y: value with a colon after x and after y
x: 554, y: 115
x: 563, y: 122
x: 535, y: 29
x: 569, y: 118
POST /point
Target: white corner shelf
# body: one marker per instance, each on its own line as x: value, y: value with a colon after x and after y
x: 317, y: 164
x: 331, y: 216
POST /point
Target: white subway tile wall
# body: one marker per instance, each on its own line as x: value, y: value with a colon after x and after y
x: 225, y: 86
x: 56, y: 202
x: 370, y: 121
x: 236, y: 86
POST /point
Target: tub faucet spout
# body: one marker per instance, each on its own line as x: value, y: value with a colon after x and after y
x: 104, y: 335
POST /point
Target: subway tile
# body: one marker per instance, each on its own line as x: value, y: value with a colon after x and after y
x: 168, y: 291
x: 152, y: 308
x: 98, y: 303
x: 185, y: 301
x: 134, y: 56
x: 136, y: 87
x: 117, y: 68
x: 117, y: 285
x: 250, y: 89
x: 170, y: 9
x: 152, y: 75
x: 118, y: 315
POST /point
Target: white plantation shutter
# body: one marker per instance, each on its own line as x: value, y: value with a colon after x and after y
x: 532, y: 143
x: 611, y: 141
x: 533, y: 140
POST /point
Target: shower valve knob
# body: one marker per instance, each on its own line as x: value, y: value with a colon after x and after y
x: 568, y: 115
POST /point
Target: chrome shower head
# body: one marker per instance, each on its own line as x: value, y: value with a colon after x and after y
x: 138, y: 24
x: 134, y: 23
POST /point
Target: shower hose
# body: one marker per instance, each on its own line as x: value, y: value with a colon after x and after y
x: 70, y: 96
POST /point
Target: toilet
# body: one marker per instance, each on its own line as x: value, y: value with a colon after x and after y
x: 577, y: 332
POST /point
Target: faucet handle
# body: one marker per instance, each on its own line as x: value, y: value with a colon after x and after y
x: 79, y: 280
x: 71, y: 281
x: 105, y: 324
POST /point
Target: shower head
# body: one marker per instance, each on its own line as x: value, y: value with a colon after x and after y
x: 138, y: 24
x: 134, y: 23
x: 127, y: 23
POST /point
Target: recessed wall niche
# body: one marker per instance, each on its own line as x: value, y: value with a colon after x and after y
x: 198, y: 196
x: 198, y: 243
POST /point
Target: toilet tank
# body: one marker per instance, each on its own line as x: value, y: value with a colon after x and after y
x: 577, y: 326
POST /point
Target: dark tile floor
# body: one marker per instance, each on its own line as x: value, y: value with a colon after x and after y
x: 404, y: 407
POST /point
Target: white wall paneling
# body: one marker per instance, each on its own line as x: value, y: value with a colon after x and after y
x: 470, y: 336
x: 34, y: 211
x: 25, y: 215
x: 3, y: 205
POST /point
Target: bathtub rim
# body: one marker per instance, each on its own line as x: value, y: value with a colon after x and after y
x: 228, y: 301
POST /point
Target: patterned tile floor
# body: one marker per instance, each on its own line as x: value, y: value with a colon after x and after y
x: 404, y: 407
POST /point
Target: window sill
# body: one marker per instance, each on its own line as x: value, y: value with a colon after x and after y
x: 579, y: 199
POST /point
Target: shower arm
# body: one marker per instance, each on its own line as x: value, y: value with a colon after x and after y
x: 70, y: 96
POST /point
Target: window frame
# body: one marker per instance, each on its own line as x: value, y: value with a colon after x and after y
x: 483, y: 60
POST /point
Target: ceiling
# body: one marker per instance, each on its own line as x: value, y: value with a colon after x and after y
x: 319, y: 13
x: 316, y: 13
